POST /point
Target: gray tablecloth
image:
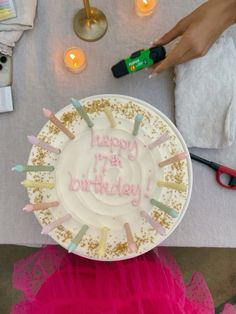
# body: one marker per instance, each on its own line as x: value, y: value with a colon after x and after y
x: 40, y: 79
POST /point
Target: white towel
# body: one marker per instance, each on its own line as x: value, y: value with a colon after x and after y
x: 11, y: 30
x: 205, y: 97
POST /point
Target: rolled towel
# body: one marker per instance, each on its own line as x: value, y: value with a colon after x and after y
x: 205, y: 97
x: 11, y: 30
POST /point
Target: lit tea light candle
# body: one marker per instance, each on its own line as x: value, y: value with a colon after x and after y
x: 145, y: 7
x: 74, y: 59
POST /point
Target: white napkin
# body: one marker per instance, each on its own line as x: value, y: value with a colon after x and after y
x: 205, y: 97
x: 11, y: 30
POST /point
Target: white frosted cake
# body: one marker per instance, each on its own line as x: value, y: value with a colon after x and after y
x: 121, y: 180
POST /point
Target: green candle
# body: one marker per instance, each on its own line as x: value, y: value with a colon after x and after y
x: 76, y: 103
x: 137, y: 121
x: 33, y: 168
x: 74, y: 243
x: 170, y: 211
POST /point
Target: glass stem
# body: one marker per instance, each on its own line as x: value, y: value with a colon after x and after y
x: 87, y: 8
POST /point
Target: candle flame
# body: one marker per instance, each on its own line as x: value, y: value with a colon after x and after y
x: 72, y: 56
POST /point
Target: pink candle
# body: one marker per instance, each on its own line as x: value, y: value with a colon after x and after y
x: 155, y: 224
x: 56, y: 223
x: 163, y: 138
x: 176, y: 158
x: 131, y: 243
x: 33, y: 207
x: 37, y: 142
x: 49, y: 115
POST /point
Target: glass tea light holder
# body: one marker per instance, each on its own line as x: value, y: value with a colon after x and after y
x: 145, y: 7
x: 90, y: 23
x: 75, y: 59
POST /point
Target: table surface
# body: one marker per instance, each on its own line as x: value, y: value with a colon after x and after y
x: 40, y: 79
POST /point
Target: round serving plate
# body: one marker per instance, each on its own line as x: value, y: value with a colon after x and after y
x: 128, y: 162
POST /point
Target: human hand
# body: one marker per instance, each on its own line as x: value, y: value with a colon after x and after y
x: 198, y: 31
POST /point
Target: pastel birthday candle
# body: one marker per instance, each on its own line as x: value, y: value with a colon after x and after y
x: 171, y: 185
x: 131, y: 243
x: 32, y: 168
x: 49, y: 115
x: 56, y: 223
x: 37, y: 184
x: 37, y: 142
x: 103, y: 241
x: 155, y: 224
x: 137, y: 121
x: 176, y: 158
x: 76, y: 103
x: 40, y: 206
x: 170, y: 211
x: 75, y: 242
x: 110, y: 117
x: 163, y: 138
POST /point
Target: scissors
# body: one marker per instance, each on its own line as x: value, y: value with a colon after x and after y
x: 220, y: 170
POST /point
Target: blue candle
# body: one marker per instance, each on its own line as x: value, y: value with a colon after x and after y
x: 74, y: 243
x: 137, y: 121
x: 76, y: 103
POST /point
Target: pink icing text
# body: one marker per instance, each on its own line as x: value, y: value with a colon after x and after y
x: 130, y: 146
x: 99, y: 186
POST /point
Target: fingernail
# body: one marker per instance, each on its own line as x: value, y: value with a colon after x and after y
x: 152, y: 75
x: 155, y: 42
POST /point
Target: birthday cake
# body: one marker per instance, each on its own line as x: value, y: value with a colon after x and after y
x: 120, y: 177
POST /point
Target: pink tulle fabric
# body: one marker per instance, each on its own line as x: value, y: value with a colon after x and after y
x: 55, y: 282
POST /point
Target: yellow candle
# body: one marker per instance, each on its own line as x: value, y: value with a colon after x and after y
x: 36, y: 184
x: 74, y: 59
x: 171, y: 185
x: 145, y: 7
x: 110, y: 117
x: 103, y: 241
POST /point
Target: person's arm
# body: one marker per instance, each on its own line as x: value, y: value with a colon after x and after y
x: 198, y: 31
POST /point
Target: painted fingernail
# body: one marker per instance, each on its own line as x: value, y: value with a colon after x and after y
x: 152, y: 75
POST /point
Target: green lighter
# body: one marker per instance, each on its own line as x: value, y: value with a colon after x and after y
x: 139, y: 60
